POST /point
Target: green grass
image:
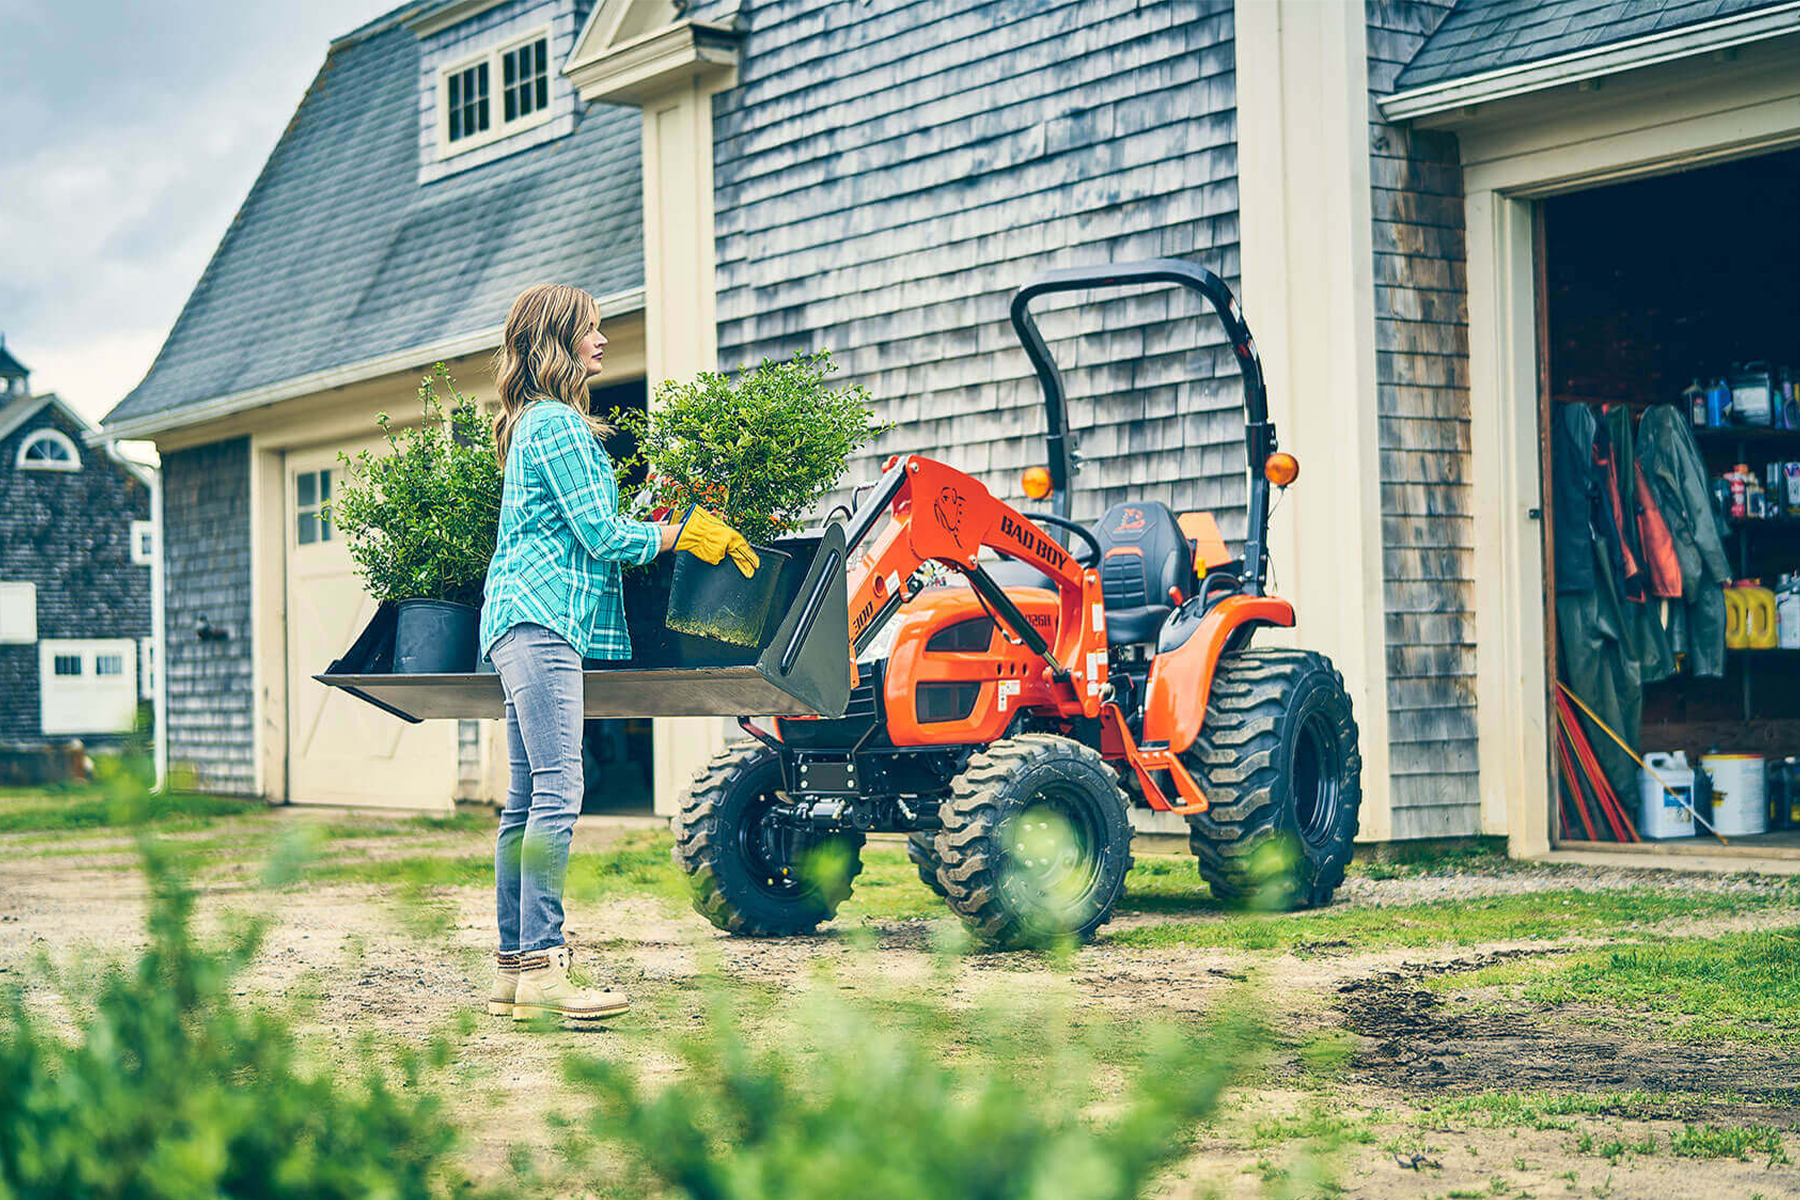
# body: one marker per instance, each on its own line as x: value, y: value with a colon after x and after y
x: 1397, y: 860
x: 1737, y: 987
x: 1713, y: 1141
x: 89, y: 809
x: 1553, y: 915
x: 1553, y: 1110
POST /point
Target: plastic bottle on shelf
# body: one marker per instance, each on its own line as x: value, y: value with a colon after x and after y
x: 1739, y: 478
x: 1756, y: 499
x: 1735, y: 636
x: 1787, y: 613
x: 1693, y: 399
x: 1759, y: 615
x: 1718, y: 405
x: 1790, y: 473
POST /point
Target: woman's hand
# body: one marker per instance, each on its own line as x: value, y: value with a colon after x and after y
x: 709, y: 539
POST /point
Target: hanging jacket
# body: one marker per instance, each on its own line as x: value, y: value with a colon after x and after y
x: 1677, y: 477
x: 1659, y: 547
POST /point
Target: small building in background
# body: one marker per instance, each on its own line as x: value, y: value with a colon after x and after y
x: 76, y: 547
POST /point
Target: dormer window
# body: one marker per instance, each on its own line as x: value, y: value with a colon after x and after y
x: 48, y: 450
x: 468, y: 102
x: 471, y: 114
x: 527, y: 78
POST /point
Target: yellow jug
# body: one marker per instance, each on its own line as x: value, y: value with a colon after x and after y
x: 1760, y: 632
x: 1736, y: 638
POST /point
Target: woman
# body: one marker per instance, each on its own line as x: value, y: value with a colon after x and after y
x: 552, y: 598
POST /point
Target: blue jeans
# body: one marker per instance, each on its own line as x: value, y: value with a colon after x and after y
x: 540, y: 674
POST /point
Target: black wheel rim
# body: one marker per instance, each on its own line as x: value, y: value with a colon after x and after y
x: 770, y: 852
x: 1052, y: 847
x: 1314, y: 778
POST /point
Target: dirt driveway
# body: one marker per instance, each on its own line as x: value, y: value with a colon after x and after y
x: 1491, y: 1041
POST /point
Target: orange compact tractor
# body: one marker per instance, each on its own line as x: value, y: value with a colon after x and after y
x: 1022, y: 679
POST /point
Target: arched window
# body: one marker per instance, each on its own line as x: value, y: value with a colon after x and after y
x: 49, y: 450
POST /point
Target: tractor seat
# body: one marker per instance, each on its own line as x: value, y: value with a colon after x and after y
x: 1144, y: 557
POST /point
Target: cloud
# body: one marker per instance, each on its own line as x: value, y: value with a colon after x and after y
x: 134, y: 131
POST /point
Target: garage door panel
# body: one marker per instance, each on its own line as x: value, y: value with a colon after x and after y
x: 342, y: 750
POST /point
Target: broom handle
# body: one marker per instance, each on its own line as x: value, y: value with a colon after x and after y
x: 1607, y: 729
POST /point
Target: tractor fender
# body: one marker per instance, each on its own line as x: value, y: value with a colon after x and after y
x: 1187, y: 654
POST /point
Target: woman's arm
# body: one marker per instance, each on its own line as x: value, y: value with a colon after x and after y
x: 571, y: 463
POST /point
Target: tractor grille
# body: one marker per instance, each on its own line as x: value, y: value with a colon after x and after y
x: 862, y: 711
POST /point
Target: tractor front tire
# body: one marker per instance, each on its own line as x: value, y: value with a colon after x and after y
x: 1035, y: 842
x: 921, y: 848
x: 721, y: 842
x: 1277, y: 758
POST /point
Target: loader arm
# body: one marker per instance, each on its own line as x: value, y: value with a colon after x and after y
x: 937, y: 513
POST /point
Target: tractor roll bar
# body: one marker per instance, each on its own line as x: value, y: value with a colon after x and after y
x: 1259, y: 433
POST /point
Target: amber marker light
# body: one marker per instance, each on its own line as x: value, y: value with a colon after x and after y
x: 1281, y: 469
x: 1036, y: 481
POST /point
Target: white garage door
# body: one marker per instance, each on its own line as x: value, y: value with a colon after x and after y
x: 342, y: 750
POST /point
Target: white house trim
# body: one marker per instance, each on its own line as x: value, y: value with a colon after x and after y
x: 1685, y: 42
x: 614, y: 305
x: 499, y: 128
x: 57, y: 436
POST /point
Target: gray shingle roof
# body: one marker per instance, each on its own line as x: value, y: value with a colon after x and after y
x: 338, y: 254
x: 1485, y: 35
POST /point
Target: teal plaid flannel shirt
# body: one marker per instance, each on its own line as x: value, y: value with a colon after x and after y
x: 561, y: 540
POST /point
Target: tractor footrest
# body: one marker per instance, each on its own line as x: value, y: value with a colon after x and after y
x: 1163, y: 760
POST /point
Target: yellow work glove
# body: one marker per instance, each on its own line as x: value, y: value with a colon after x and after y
x: 710, y: 539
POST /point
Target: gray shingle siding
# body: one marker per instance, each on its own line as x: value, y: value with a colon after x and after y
x: 1422, y: 398
x: 888, y: 174
x: 339, y: 254
x: 206, y: 535
x: 68, y: 532
x: 1487, y: 35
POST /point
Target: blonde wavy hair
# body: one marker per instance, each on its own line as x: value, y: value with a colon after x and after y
x: 538, y: 359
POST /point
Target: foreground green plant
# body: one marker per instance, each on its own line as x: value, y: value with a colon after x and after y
x: 173, y: 1088
x: 856, y: 1107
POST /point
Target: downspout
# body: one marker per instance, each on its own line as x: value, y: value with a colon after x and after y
x: 159, y: 694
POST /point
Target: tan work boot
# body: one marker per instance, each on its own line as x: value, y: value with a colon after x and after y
x: 506, y: 982
x: 546, y: 990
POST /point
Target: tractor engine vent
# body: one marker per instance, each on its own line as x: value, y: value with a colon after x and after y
x: 968, y: 637
x: 938, y: 702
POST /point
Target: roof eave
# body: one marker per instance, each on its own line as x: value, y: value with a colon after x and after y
x: 1451, y: 95
x: 200, y: 412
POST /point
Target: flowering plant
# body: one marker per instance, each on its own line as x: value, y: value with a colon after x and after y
x: 760, y: 449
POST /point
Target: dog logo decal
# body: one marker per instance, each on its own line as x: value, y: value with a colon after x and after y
x: 948, y: 508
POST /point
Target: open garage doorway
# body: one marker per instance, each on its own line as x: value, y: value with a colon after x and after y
x: 1669, y: 343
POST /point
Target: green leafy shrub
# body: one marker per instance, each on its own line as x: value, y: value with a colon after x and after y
x: 421, y: 520
x: 873, y: 1110
x: 172, y: 1088
x: 759, y: 448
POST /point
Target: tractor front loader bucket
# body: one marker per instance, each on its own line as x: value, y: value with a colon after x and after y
x: 802, y: 667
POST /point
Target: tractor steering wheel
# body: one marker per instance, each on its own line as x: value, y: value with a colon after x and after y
x: 1091, y: 556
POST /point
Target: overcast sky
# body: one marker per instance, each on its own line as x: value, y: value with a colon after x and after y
x: 130, y: 131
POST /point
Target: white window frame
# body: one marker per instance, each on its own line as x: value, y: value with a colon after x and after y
x: 297, y: 509
x: 141, y: 554
x: 498, y: 126
x: 89, y: 702
x: 18, y: 614
x: 146, y: 668
x: 53, y: 435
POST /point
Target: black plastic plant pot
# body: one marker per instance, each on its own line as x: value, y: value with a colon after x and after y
x: 435, y: 637
x: 717, y: 602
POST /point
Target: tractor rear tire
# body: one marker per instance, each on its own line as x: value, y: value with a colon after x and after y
x: 1277, y: 757
x: 1035, y: 842
x: 922, y: 851
x: 735, y: 884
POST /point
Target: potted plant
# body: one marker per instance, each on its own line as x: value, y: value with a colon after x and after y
x: 760, y: 449
x: 420, y: 523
